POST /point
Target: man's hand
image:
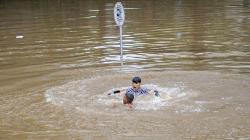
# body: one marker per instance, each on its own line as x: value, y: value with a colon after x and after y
x: 156, y: 93
x: 114, y: 92
x: 117, y: 91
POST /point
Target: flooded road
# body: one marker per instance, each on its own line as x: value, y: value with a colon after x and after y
x: 59, y: 59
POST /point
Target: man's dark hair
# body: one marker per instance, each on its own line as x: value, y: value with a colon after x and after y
x: 130, y: 97
x: 136, y: 80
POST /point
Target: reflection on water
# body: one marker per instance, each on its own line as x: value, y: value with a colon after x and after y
x: 159, y: 35
x: 44, y: 44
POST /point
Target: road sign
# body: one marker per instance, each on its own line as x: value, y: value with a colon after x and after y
x: 119, y: 14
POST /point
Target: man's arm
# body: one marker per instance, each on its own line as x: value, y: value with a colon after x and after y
x: 120, y: 92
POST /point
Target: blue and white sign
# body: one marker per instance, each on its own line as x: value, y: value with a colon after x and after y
x: 119, y: 14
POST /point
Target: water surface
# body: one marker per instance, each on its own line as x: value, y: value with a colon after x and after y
x: 58, y: 60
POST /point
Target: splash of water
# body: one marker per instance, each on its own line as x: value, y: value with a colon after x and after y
x: 147, y: 102
x: 78, y: 94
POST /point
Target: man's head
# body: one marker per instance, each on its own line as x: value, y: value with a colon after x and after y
x: 136, y: 83
x: 128, y: 98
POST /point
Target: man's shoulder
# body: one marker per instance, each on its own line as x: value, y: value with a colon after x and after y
x: 143, y: 90
x: 129, y: 90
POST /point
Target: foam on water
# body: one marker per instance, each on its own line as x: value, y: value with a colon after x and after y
x: 147, y: 102
x: 74, y: 94
x: 69, y: 94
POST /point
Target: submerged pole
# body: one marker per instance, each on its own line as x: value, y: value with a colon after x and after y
x: 121, y: 45
x: 119, y: 16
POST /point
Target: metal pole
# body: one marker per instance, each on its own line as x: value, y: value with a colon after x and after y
x: 121, y: 45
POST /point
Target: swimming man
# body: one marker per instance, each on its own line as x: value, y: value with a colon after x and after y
x: 135, y: 90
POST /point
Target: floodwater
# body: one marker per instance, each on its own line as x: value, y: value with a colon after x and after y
x: 59, y: 59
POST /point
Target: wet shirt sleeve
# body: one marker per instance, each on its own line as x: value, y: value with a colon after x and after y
x: 141, y: 91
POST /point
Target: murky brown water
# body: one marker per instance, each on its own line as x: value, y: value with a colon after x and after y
x: 58, y: 59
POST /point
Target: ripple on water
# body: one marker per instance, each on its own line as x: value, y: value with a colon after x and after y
x: 78, y: 94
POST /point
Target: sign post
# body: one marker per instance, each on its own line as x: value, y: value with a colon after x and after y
x: 119, y: 17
